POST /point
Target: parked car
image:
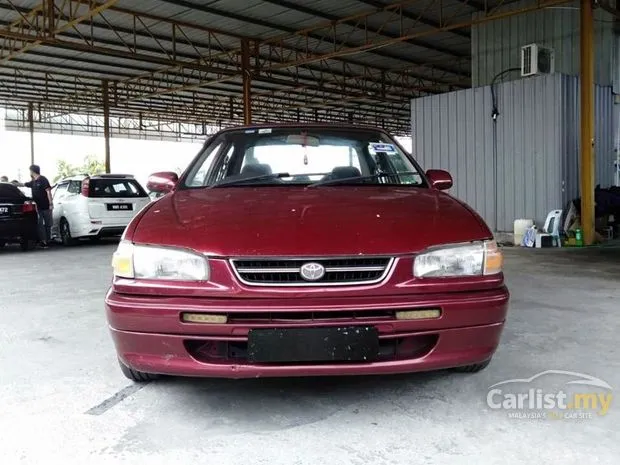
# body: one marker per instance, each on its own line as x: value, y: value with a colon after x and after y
x: 18, y: 217
x: 95, y: 206
x: 305, y: 250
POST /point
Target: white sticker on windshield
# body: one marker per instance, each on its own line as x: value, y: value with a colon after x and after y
x: 264, y: 131
x: 378, y: 147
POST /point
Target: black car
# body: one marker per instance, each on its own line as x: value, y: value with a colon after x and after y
x: 18, y: 217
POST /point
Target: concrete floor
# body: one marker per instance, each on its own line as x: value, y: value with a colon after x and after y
x: 64, y: 399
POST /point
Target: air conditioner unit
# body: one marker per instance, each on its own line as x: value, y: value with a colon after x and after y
x: 536, y: 59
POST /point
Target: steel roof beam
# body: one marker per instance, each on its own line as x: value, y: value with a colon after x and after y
x: 43, y: 24
x: 345, y: 83
x: 480, y: 6
x: 424, y: 20
x: 158, y: 37
x: 165, y: 61
x: 92, y: 85
x: 312, y: 53
x: 49, y: 85
x: 289, y: 30
x: 282, y: 74
x: 267, y: 113
x: 52, y: 91
x: 381, y: 93
x: 331, y: 17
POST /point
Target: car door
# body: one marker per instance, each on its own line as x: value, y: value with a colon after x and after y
x: 59, y: 194
x: 73, y: 204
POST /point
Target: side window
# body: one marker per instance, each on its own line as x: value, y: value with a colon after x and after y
x: 400, y: 165
x: 61, y: 190
x: 387, y: 157
x: 198, y: 175
x: 74, y: 187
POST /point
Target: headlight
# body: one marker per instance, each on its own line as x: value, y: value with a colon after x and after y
x: 475, y: 259
x: 146, y: 262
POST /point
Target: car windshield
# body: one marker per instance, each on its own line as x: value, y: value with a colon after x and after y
x: 302, y: 156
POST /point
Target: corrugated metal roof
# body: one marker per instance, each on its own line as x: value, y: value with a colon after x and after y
x: 160, y: 53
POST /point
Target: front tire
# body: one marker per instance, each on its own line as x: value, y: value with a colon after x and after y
x: 475, y: 368
x: 137, y: 376
x: 65, y: 233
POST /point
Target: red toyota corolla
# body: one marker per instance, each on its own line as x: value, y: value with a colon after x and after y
x: 297, y: 250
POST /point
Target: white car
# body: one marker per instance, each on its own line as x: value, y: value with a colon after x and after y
x: 95, y: 206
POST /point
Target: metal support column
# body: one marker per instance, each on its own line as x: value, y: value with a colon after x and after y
x: 31, y: 128
x: 587, y: 122
x: 247, y: 81
x: 106, y: 124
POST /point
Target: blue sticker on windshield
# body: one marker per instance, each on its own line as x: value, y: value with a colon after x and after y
x: 388, y: 148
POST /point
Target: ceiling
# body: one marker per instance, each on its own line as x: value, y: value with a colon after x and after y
x: 185, y: 61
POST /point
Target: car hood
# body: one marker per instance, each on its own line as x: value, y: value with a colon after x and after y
x: 296, y: 221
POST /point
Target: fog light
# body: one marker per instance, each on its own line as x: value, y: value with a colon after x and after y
x: 204, y: 318
x: 418, y: 314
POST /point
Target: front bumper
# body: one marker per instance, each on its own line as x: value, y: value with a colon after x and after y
x: 149, y: 335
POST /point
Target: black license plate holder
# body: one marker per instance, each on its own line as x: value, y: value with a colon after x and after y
x: 119, y: 207
x: 299, y: 345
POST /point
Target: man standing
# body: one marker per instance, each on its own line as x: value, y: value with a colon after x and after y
x: 42, y: 196
x: 4, y: 179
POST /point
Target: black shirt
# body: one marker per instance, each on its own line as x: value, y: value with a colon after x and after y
x: 39, y: 189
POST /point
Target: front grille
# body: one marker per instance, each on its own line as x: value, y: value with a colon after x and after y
x: 288, y: 272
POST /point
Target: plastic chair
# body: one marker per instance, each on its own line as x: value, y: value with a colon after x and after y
x: 552, y: 227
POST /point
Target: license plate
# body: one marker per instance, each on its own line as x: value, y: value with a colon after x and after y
x: 4, y: 211
x: 343, y: 344
x: 119, y: 207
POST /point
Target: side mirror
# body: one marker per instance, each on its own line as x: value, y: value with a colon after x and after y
x: 162, y: 182
x: 439, y: 179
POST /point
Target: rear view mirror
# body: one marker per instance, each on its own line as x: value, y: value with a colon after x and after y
x: 301, y: 139
x: 439, y: 179
x: 162, y: 182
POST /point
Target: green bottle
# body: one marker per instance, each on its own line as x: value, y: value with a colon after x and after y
x: 578, y: 237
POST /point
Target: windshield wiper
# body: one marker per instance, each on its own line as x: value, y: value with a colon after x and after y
x: 359, y: 178
x: 264, y: 177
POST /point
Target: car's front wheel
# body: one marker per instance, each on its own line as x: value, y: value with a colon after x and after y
x: 135, y: 375
x: 475, y: 368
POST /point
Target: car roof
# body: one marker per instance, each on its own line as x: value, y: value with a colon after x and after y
x: 77, y: 177
x: 305, y: 125
x: 112, y: 176
x: 81, y: 177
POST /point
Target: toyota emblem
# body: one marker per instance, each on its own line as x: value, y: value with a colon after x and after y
x: 312, y: 271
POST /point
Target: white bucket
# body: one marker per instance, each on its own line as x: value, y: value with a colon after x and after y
x: 520, y: 226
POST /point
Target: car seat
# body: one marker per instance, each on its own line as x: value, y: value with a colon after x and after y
x: 257, y: 169
x: 343, y: 172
